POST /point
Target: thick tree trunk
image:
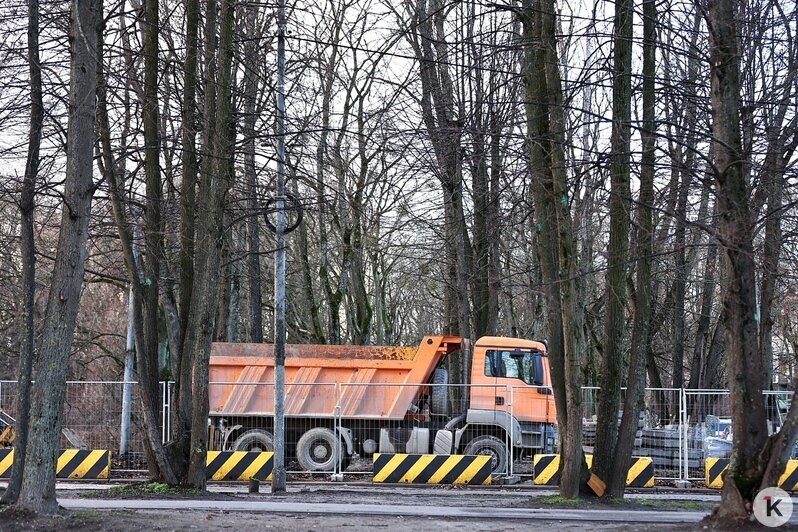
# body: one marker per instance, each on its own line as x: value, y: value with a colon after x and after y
x: 37, y: 492
x: 556, y: 240
x: 214, y: 187
x: 147, y: 352
x: 28, y: 254
x: 735, y: 236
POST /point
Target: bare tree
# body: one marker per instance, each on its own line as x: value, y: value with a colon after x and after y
x: 618, y: 249
x: 37, y: 492
x: 556, y: 240
x: 28, y: 248
x: 735, y: 236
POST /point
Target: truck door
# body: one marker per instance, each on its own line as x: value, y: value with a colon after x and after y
x: 520, y: 377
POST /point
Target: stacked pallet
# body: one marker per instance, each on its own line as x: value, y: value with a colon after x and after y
x: 589, y: 434
x: 662, y: 445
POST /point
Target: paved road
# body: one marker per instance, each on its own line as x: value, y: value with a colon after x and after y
x: 547, y: 514
x: 330, y: 487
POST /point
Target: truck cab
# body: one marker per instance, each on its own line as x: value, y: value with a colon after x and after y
x: 511, y: 401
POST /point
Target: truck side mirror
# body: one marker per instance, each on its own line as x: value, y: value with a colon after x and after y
x: 537, y: 368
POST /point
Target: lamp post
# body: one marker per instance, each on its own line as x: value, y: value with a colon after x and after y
x: 278, y: 474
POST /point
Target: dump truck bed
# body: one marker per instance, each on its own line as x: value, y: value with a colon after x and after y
x: 367, y: 381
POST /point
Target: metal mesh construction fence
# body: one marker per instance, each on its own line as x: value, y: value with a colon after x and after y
x: 334, y: 428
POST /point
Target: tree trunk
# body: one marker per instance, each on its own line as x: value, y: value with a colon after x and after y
x: 182, y: 393
x: 37, y: 492
x: 643, y: 251
x: 147, y: 353
x: 214, y: 186
x: 735, y: 236
x: 444, y: 127
x: 28, y: 254
x: 771, y: 251
x: 157, y: 461
x: 618, y: 250
x: 556, y: 241
x: 254, y: 283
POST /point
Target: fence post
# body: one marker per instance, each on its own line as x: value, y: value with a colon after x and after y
x: 164, y: 411
x: 338, y: 470
x: 684, y: 450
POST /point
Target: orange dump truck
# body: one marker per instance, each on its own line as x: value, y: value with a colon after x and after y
x: 342, y: 400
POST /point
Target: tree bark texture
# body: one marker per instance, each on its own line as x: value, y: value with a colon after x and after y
x: 147, y: 352
x: 555, y: 236
x: 37, y: 492
x: 214, y: 187
x: 735, y: 237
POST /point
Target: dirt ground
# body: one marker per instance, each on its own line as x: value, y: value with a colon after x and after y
x: 200, y: 520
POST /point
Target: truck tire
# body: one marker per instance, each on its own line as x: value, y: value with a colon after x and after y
x: 439, y: 392
x: 318, y: 450
x: 254, y: 440
x: 493, y: 447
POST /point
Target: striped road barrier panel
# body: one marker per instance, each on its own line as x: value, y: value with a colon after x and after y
x: 72, y: 463
x: 432, y: 469
x: 239, y: 465
x: 788, y: 481
x: 715, y: 468
x: 546, y: 470
x: 641, y: 473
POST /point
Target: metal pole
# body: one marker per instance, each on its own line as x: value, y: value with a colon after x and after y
x: 127, y: 386
x: 684, y: 450
x: 278, y: 475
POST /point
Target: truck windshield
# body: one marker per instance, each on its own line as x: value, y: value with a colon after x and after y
x: 524, y: 365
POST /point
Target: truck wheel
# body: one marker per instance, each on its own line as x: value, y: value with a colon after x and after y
x: 491, y: 446
x: 254, y: 440
x: 318, y: 450
x: 439, y: 392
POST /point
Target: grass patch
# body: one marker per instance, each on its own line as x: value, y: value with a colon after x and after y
x: 673, y: 504
x: 143, y: 490
x: 558, y: 500
x: 621, y: 503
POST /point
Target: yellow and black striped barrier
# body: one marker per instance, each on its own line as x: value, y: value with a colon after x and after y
x: 641, y: 473
x: 6, y: 461
x: 72, y: 463
x: 432, y: 469
x: 788, y: 481
x: 239, y: 465
x: 715, y: 468
x: 546, y: 470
